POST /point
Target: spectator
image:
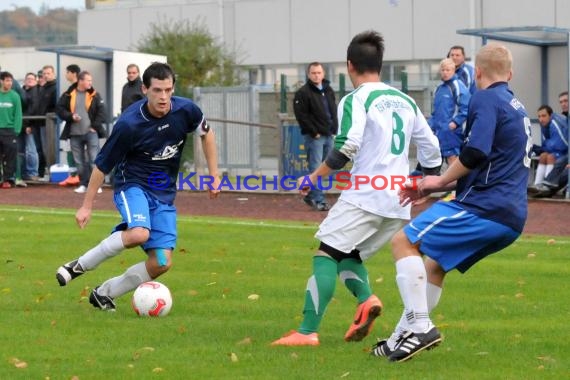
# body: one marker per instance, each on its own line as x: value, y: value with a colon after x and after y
x: 72, y: 71
x: 315, y: 109
x: 451, y: 99
x: 563, y: 100
x: 10, y: 127
x: 16, y: 87
x: 48, y: 100
x: 556, y: 180
x: 26, y: 144
x: 83, y: 111
x: 41, y: 79
x: 464, y: 71
x: 554, y: 136
x: 132, y: 90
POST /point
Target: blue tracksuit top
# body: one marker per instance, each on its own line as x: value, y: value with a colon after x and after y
x: 557, y: 142
x: 451, y: 100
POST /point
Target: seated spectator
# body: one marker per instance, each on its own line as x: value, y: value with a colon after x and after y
x: 556, y: 180
x: 554, y: 136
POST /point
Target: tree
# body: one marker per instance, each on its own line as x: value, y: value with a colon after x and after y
x: 196, y: 56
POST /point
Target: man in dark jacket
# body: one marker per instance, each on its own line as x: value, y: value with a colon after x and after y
x: 315, y: 110
x: 84, y: 113
x: 27, y: 149
x: 47, y: 102
x: 132, y: 90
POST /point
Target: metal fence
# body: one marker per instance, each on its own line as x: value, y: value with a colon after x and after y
x: 231, y: 112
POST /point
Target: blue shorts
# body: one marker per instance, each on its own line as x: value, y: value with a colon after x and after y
x: 140, y: 209
x: 456, y: 238
x: 450, y: 152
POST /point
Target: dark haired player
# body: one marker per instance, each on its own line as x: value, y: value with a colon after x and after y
x: 147, y: 139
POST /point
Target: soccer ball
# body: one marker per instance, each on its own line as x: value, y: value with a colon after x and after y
x: 152, y: 299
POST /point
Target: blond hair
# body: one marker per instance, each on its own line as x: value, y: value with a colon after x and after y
x: 494, y: 61
x: 446, y: 62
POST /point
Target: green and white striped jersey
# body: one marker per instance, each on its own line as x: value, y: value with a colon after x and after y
x: 377, y: 123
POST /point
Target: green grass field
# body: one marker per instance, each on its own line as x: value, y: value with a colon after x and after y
x: 505, y: 319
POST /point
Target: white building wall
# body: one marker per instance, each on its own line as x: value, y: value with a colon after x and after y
x: 284, y: 35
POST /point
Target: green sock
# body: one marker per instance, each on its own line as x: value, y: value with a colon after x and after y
x: 355, y: 277
x: 320, y: 289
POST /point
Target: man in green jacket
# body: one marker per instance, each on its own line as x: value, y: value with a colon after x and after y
x: 10, y: 127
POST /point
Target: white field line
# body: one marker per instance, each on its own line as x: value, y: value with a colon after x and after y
x: 215, y: 221
x: 181, y: 218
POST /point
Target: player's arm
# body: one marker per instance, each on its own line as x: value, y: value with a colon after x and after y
x: 469, y: 159
x: 335, y: 160
x: 211, y: 154
x: 96, y: 180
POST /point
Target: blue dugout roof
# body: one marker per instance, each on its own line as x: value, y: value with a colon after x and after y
x: 527, y: 35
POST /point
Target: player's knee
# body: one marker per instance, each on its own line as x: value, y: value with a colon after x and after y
x: 399, y: 239
x: 136, y: 236
x: 159, y: 262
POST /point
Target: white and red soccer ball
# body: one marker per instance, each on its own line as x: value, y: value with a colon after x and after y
x: 152, y: 299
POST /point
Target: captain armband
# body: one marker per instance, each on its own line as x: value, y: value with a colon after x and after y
x: 203, y: 128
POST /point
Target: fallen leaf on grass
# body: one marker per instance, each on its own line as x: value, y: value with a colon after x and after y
x: 157, y: 370
x: 234, y: 357
x: 246, y: 340
x: 344, y: 374
x: 138, y: 353
x: 551, y: 241
x: 18, y: 363
x: 253, y: 297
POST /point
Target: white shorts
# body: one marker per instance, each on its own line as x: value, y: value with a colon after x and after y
x: 348, y: 227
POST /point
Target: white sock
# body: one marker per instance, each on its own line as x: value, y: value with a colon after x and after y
x: 412, y: 283
x: 133, y: 277
x: 539, y: 174
x: 111, y: 246
x: 548, y: 169
x: 433, y: 296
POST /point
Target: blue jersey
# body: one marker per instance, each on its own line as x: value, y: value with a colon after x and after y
x: 498, y: 126
x: 145, y: 151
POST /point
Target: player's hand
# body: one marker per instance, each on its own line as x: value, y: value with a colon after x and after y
x: 452, y: 125
x: 214, y: 190
x: 430, y: 184
x: 409, y: 194
x: 304, y: 184
x: 82, y: 216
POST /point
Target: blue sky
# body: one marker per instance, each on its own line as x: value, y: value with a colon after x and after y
x: 36, y: 4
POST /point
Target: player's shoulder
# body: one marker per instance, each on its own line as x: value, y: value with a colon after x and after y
x: 182, y: 103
